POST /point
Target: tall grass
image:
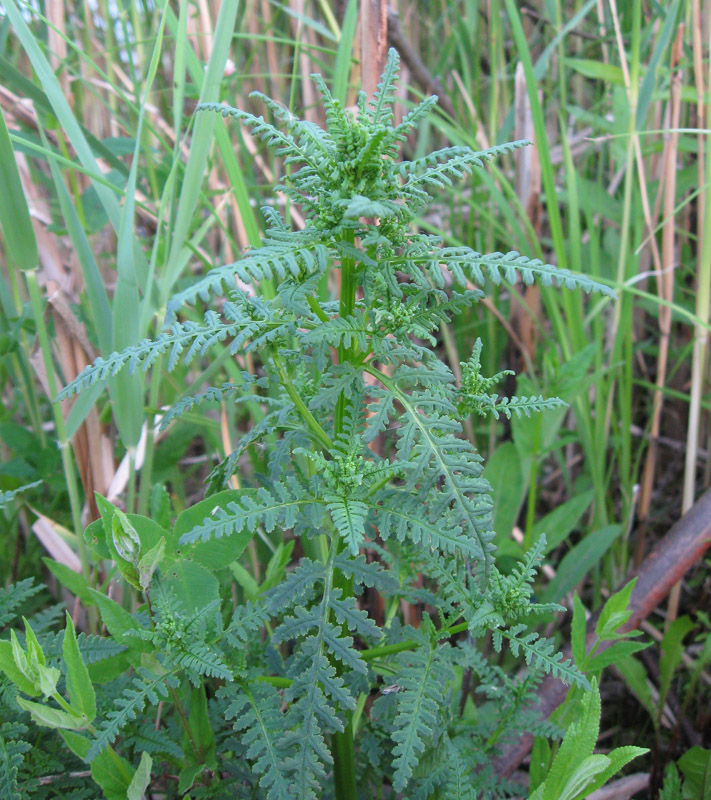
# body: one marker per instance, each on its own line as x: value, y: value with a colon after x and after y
x: 140, y: 194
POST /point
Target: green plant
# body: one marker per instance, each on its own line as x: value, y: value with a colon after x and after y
x: 271, y: 696
x: 576, y: 771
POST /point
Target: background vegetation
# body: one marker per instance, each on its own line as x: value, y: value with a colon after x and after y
x: 132, y: 195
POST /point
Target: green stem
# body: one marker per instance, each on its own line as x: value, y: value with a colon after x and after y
x: 120, y: 765
x: 372, y: 653
x: 185, y: 723
x: 309, y: 418
x: 532, y: 487
x: 147, y: 469
x: 64, y: 445
x: 346, y: 306
x: 344, y: 764
x: 410, y: 644
x: 342, y: 748
x: 316, y: 308
x: 131, y: 491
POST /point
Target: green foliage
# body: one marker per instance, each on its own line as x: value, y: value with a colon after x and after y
x: 294, y: 654
x: 576, y: 771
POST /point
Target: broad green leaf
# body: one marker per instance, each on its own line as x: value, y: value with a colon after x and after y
x: 149, y: 532
x: 18, y: 234
x: 579, y: 561
x: 503, y: 471
x: 276, y: 567
x: 671, y: 789
x: 52, y: 717
x: 113, y: 774
x: 540, y: 762
x: 577, y: 745
x: 245, y: 580
x: 215, y: 553
x: 82, y: 697
x: 618, y: 758
x: 598, y: 70
x: 95, y: 539
x: 615, y: 653
x: 125, y: 537
x: 199, y: 719
x: 110, y: 771
x: 148, y: 564
x: 672, y: 651
x: 187, y: 776
x: 578, y: 630
x: 194, y: 585
x: 35, y: 653
x: 76, y: 742
x: 580, y: 782
x: 559, y: 523
x: 635, y: 677
x: 74, y: 581
x: 13, y: 672
x: 142, y: 777
x: 695, y: 765
x: 160, y: 506
x: 119, y: 622
x: 109, y: 668
x: 615, y: 612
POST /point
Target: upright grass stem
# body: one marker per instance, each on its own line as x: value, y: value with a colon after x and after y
x: 62, y: 439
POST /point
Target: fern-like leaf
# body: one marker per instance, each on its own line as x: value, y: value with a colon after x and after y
x: 299, y: 586
x: 12, y: 598
x: 459, y: 162
x: 379, y: 110
x: 430, y: 445
x: 12, y: 756
x: 484, y: 404
x: 348, y: 517
x: 420, y: 698
x: 7, y: 497
x: 256, y: 711
x: 541, y: 653
x: 466, y: 264
x: 400, y: 514
x: 254, y: 507
x: 146, y: 687
x: 271, y: 262
x: 365, y: 573
x: 196, y: 338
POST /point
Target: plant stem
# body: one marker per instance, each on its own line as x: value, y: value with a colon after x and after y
x: 63, y: 442
x: 342, y: 748
x: 344, y: 763
x: 145, y: 488
x: 373, y: 653
x: 185, y: 723
x: 309, y: 418
x: 347, y: 304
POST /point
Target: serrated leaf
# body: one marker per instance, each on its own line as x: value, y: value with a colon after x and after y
x: 14, y: 672
x: 82, y: 697
x: 52, y: 717
x: 136, y: 790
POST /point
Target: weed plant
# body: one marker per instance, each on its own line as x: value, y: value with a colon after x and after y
x: 296, y: 692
